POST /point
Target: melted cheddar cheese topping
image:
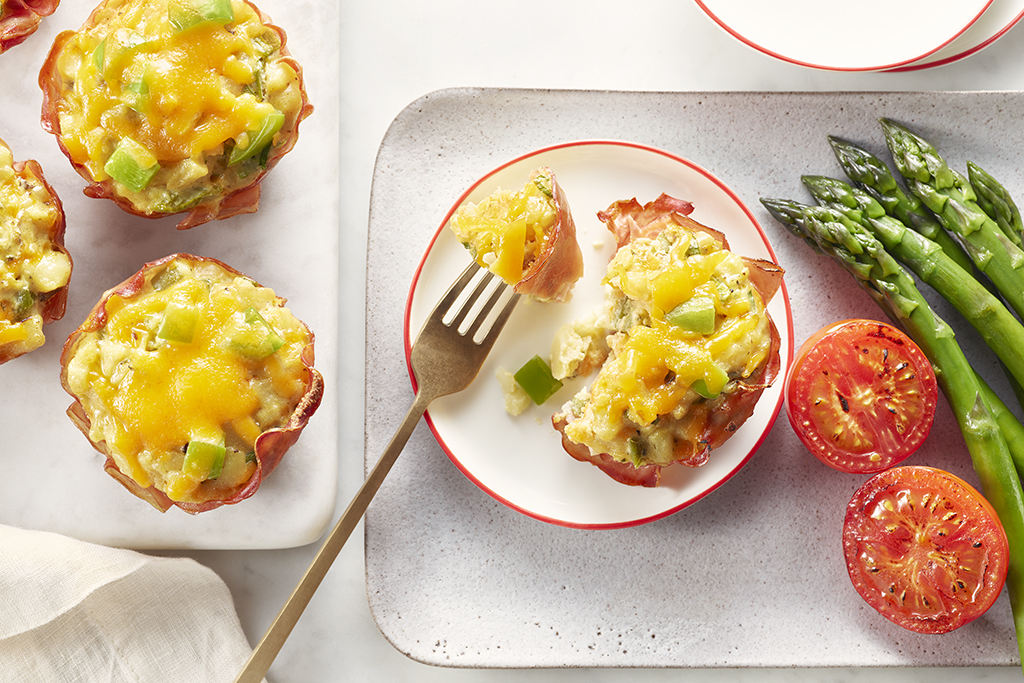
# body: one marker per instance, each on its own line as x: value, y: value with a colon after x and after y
x: 645, y: 405
x: 150, y: 392
x: 189, y: 97
x: 32, y: 266
x: 508, y: 229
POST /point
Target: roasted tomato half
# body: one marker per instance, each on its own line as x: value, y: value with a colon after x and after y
x: 924, y: 548
x: 174, y: 106
x: 193, y: 380
x: 20, y: 18
x: 861, y: 396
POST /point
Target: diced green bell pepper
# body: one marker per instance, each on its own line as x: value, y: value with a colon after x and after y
x: 132, y: 165
x: 636, y: 451
x: 23, y: 300
x: 185, y: 14
x: 713, y: 383
x: 537, y: 381
x: 98, y: 55
x: 257, y: 87
x: 139, y: 94
x: 139, y: 87
x: 204, y: 457
x: 257, y: 340
x: 543, y: 183
x: 179, y: 323
x: 116, y: 51
x: 165, y: 278
x: 696, y: 314
x: 258, y: 139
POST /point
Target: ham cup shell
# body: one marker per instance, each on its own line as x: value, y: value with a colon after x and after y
x: 164, y: 144
x: 20, y: 18
x: 36, y: 267
x: 717, y: 418
x: 190, y: 350
x: 552, y: 275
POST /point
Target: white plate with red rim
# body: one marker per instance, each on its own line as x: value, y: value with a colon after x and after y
x: 519, y: 460
x: 1000, y: 17
x: 869, y: 35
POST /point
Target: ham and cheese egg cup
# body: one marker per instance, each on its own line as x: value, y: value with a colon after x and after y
x: 526, y: 237
x: 35, y: 268
x: 687, y: 341
x: 174, y: 106
x: 20, y: 18
x: 193, y: 380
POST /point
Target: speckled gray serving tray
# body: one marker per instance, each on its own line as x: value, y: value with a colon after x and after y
x: 751, y: 575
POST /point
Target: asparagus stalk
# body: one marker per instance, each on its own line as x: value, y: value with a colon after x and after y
x: 1012, y: 429
x: 875, y: 178
x: 1000, y: 329
x: 996, y: 202
x: 950, y: 196
x: 895, y: 291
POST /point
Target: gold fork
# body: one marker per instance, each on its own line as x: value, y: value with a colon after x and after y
x: 446, y: 357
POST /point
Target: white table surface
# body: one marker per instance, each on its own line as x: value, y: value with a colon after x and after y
x: 395, y: 51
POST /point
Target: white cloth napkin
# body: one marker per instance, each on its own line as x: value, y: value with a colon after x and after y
x: 77, y: 612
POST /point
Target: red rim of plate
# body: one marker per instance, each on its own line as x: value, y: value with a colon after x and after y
x: 790, y: 60
x: 455, y: 460
x: 961, y: 55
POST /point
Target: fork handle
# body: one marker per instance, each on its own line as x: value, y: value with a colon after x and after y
x: 263, y: 655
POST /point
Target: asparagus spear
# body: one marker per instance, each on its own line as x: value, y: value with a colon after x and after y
x: 950, y: 196
x: 894, y: 290
x: 996, y: 202
x: 1012, y: 429
x: 874, y: 177
x: 1000, y: 329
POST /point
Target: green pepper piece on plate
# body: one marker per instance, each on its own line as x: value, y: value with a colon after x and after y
x: 537, y: 381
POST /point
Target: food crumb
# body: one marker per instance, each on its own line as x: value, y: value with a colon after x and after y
x: 577, y: 348
x: 516, y: 398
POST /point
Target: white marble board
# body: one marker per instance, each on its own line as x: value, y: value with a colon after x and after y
x: 52, y: 478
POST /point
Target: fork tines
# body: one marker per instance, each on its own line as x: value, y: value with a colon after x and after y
x: 471, y: 307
